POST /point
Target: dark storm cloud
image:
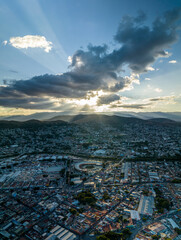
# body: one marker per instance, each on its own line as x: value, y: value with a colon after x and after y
x: 107, y: 99
x: 141, y: 17
x: 97, y: 50
x: 67, y: 85
x: 97, y: 68
x: 122, y: 83
x: 142, y: 45
x: 27, y: 103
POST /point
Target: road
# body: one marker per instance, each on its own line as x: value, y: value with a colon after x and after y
x: 86, y: 233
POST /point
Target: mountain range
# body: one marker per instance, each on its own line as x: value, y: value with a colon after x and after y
x: 96, y: 120
x: 175, y: 116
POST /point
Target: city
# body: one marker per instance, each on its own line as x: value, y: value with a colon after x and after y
x: 90, y: 120
x: 95, y: 186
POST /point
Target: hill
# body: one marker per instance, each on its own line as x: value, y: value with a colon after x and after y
x: 94, y: 120
x: 31, y: 124
x: 64, y: 116
x: 111, y: 120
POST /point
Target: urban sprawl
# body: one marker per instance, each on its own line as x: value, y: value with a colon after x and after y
x: 82, y: 181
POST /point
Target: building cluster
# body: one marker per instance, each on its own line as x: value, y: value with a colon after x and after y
x: 165, y: 228
x: 58, y: 196
x: 147, y: 141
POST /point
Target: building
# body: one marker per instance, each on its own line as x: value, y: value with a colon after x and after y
x: 146, y: 205
x: 135, y: 215
x: 61, y: 234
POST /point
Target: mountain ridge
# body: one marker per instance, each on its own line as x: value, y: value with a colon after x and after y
x: 176, y: 116
x: 91, y: 119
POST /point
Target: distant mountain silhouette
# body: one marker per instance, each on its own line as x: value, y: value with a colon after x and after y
x: 96, y: 120
x: 33, y: 124
x: 102, y: 118
x: 53, y: 116
x: 66, y: 118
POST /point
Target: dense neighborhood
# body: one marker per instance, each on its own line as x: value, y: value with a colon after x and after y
x: 80, y: 182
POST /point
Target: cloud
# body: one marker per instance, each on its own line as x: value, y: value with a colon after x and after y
x: 5, y: 43
x: 147, y: 103
x: 125, y: 83
x: 161, y: 99
x: 69, y: 59
x: 97, y: 50
x: 158, y: 90
x: 67, y: 85
x: 13, y: 71
x: 31, y: 41
x: 147, y: 79
x: 172, y: 61
x: 133, y: 106
x: 106, y: 99
x: 157, y: 99
x: 97, y: 68
x: 86, y: 108
x: 27, y: 103
x: 150, y: 69
x: 153, y: 40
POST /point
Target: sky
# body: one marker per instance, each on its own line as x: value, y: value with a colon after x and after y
x: 82, y: 56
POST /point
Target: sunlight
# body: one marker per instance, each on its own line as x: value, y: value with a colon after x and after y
x: 57, y: 56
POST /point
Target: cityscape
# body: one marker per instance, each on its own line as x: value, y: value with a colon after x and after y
x: 90, y: 120
x: 82, y: 181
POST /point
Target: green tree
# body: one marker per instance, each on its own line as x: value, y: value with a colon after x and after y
x: 178, y: 230
x: 155, y: 237
x: 102, y: 237
x: 73, y: 211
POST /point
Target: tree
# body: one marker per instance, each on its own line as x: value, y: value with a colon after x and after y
x: 81, y: 210
x: 126, y: 231
x: 156, y: 237
x: 145, y: 192
x: 125, y: 220
x: 62, y: 172
x: 113, y: 235
x: 73, y: 211
x: 86, y: 197
x: 106, y: 196
x: 176, y: 180
x: 85, y: 145
x: 178, y: 230
x: 161, y: 210
x: 122, y: 175
x: 103, y: 165
x: 102, y: 237
x: 160, y: 202
x: 131, y: 198
x: 120, y: 218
